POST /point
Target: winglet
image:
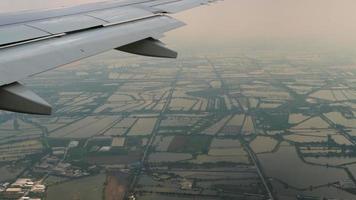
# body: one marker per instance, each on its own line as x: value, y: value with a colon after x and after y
x: 16, y: 97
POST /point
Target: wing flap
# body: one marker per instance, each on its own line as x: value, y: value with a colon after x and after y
x: 66, y: 24
x: 31, y: 25
x: 35, y: 15
x: 16, y: 33
x: 33, y: 42
x: 177, y: 6
x: 157, y: 2
x: 37, y: 29
x: 121, y: 14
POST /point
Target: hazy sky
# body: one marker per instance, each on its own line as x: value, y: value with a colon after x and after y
x: 238, y: 20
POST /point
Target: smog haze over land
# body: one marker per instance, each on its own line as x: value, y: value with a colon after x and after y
x: 261, y: 104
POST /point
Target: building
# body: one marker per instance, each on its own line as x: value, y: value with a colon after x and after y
x: 73, y: 144
x: 105, y: 149
x: 186, y: 185
x: 58, y: 151
x: 132, y: 197
x: 13, y: 193
x: 28, y: 198
x: 38, y: 188
x: 23, y: 183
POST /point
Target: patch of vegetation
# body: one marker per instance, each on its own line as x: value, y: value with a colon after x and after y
x: 77, y: 153
x: 57, y: 142
x: 133, y: 141
x: 190, y: 144
x: 273, y: 121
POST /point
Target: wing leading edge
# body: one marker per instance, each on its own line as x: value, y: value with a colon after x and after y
x: 37, y: 41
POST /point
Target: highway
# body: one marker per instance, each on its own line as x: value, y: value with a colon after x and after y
x: 259, y: 171
x: 153, y: 135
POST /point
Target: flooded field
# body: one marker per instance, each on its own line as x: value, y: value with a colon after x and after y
x: 289, y: 193
x: 241, y: 174
x: 280, y: 164
x: 331, y: 161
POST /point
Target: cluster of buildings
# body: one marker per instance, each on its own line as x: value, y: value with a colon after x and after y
x: 54, y: 166
x: 23, y: 189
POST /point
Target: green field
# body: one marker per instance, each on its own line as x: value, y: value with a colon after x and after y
x: 89, y: 188
x: 190, y: 144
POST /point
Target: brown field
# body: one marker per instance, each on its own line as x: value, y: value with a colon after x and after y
x: 177, y: 143
x: 116, y: 185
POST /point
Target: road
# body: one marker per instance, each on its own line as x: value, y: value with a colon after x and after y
x: 153, y: 135
x: 259, y: 171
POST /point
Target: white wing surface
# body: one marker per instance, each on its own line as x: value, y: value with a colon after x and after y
x: 32, y: 42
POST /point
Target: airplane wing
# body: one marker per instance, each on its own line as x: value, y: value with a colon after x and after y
x: 32, y: 42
